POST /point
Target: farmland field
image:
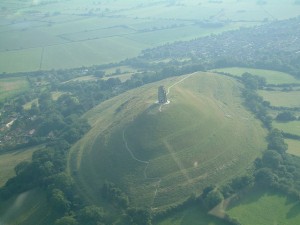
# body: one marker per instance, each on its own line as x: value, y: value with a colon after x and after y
x: 12, y: 86
x: 292, y: 127
x: 281, y: 98
x: 185, y: 146
x: 192, y: 215
x: 8, y: 161
x: 265, y: 208
x: 271, y: 76
x: 293, y: 146
x: 64, y: 34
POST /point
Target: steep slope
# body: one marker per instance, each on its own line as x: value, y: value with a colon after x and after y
x: 161, y: 155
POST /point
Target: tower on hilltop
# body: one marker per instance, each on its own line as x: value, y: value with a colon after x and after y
x: 162, y: 95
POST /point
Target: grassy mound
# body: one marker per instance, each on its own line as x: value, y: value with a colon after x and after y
x: 160, y: 156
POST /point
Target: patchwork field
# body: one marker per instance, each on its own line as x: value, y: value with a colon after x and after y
x: 63, y: 34
x: 160, y: 156
x: 281, y: 98
x: 12, y: 86
x: 292, y: 127
x: 193, y: 215
x: 265, y: 208
x: 271, y: 76
x: 293, y: 146
x: 8, y: 161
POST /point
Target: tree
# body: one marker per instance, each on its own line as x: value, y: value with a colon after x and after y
x: 138, y: 216
x: 21, y: 167
x: 91, y: 215
x: 276, y: 141
x: 213, y: 198
x: 285, y: 116
x: 99, y: 73
x: 271, y: 159
x: 253, y: 82
x: 66, y: 220
x: 59, y: 201
x: 241, y: 182
x: 265, y: 177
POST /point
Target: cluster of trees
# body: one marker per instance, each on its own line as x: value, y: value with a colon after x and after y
x: 114, y: 195
x: 253, y: 101
x: 277, y: 169
x: 286, y: 116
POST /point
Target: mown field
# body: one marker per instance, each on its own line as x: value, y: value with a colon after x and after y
x: 12, y: 86
x: 193, y: 215
x: 265, y: 208
x: 293, y: 146
x: 64, y: 34
x: 292, y: 127
x: 280, y: 98
x: 271, y: 76
x: 161, y: 158
x: 8, y: 161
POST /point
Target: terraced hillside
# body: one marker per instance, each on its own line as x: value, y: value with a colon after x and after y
x: 161, y: 155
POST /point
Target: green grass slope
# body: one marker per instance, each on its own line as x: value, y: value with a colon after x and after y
x: 161, y: 156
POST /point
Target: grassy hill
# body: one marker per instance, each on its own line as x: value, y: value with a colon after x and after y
x: 161, y: 156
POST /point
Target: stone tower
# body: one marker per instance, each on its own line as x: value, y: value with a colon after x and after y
x: 162, y: 95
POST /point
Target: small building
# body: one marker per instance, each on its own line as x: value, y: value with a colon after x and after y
x: 162, y: 95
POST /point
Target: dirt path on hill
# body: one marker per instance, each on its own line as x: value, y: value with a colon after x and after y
x: 169, y: 88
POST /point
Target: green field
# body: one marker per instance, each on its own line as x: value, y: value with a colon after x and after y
x: 292, y: 127
x: 12, y: 86
x: 265, y: 208
x: 191, y: 216
x: 27, y: 208
x: 64, y: 34
x: 293, y: 146
x: 271, y: 76
x: 55, y: 95
x: 281, y: 98
x: 8, y: 161
x: 175, y: 152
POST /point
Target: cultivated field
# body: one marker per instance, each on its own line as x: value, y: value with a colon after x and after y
x: 193, y: 215
x: 160, y: 157
x: 281, y: 98
x: 265, y: 208
x: 292, y: 127
x: 12, y: 86
x: 293, y: 146
x: 8, y: 161
x: 271, y: 76
x: 63, y: 34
